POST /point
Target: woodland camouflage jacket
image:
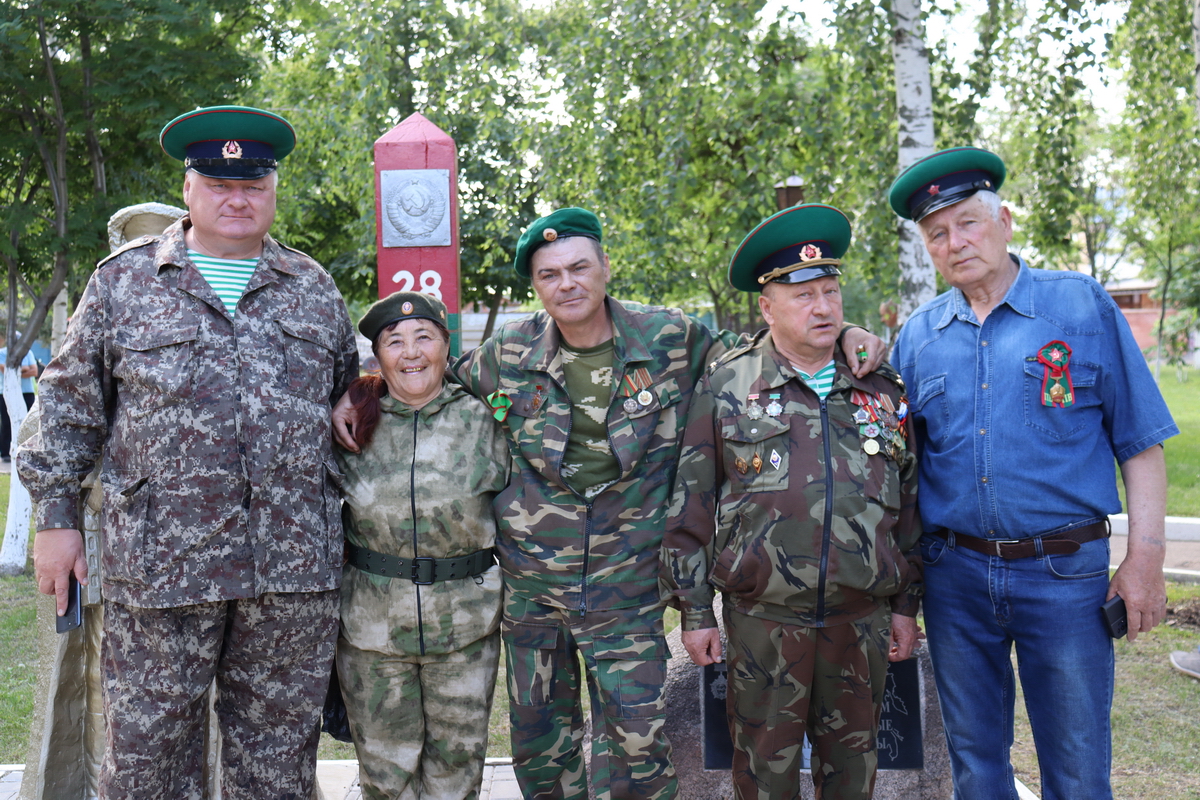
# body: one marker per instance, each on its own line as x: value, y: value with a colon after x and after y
x: 214, y: 432
x: 555, y: 547
x: 787, y: 513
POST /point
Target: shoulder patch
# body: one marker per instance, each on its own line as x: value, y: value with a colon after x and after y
x: 141, y: 241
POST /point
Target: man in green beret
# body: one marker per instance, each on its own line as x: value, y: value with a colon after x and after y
x: 199, y: 370
x: 593, y: 393
x: 796, y: 498
x: 1027, y: 389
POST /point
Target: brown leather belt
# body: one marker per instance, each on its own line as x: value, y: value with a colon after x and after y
x: 1055, y: 544
x: 422, y: 570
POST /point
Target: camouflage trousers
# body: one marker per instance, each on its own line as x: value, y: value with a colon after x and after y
x: 420, y: 723
x: 786, y: 680
x: 270, y: 656
x: 624, y: 657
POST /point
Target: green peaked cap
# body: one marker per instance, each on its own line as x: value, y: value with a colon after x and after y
x: 562, y: 224
x: 236, y: 142
x: 943, y: 179
x: 795, y: 245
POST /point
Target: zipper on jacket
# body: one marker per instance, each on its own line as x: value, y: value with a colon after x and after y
x: 826, y: 531
x: 412, y: 499
x: 587, y: 552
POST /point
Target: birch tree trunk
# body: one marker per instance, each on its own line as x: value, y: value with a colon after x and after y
x: 58, y: 322
x: 914, y: 110
x: 1196, y: 56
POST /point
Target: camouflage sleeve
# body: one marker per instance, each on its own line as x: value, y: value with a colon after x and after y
x: 724, y: 341
x: 478, y: 370
x: 908, y: 532
x: 690, y: 537
x: 345, y: 366
x: 73, y: 395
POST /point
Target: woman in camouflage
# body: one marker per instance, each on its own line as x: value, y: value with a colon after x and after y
x: 420, y: 644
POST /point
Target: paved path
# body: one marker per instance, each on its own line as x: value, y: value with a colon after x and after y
x: 338, y: 779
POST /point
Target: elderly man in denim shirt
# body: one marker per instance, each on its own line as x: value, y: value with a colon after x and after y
x: 1026, y: 386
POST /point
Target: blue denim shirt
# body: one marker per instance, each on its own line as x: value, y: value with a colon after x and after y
x: 994, y: 461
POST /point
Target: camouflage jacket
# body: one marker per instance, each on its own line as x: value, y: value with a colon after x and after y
x: 555, y: 547
x: 787, y: 514
x: 424, y: 487
x: 212, y: 432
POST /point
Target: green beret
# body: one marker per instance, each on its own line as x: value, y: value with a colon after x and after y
x: 234, y: 142
x: 400, y: 306
x: 943, y: 179
x: 799, y: 244
x: 562, y: 224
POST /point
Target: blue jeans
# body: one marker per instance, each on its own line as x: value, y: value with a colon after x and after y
x: 976, y: 608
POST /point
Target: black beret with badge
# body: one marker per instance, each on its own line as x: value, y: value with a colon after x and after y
x: 231, y: 142
x: 562, y: 224
x: 798, y: 244
x: 400, y: 306
x: 945, y: 178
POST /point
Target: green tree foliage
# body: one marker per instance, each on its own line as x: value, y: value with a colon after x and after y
x: 1160, y: 145
x: 351, y: 71
x: 85, y: 86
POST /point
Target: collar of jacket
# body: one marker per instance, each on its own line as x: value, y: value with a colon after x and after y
x: 629, y: 342
x: 172, y: 251
x: 450, y: 392
x: 777, y: 370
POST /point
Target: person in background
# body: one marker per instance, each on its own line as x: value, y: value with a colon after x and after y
x: 420, y: 644
x: 796, y: 497
x: 29, y: 371
x: 1027, y: 390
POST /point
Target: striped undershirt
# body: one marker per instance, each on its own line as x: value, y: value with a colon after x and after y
x: 227, y: 276
x: 822, y: 381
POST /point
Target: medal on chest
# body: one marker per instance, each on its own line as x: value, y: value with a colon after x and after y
x: 754, y: 410
x: 880, y: 422
x: 636, y: 389
x: 1057, y: 391
x: 774, y: 409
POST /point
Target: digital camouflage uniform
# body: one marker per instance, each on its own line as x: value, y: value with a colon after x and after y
x: 812, y: 541
x: 581, y: 576
x: 418, y: 663
x: 221, y: 509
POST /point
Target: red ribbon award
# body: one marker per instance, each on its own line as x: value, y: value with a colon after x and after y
x: 1057, y: 390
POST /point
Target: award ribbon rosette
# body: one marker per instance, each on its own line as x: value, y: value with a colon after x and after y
x: 500, y: 403
x: 1057, y: 390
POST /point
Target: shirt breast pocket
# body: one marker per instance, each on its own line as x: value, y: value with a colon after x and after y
x: 308, y: 357
x: 1062, y: 422
x: 930, y: 409
x: 156, y: 366
x: 755, y: 453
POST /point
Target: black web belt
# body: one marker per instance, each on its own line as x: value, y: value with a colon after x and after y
x: 422, y: 570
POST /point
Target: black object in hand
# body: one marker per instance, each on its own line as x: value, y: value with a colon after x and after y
x: 73, y: 618
x: 1114, y: 617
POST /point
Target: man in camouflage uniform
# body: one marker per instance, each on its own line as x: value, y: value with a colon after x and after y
x: 223, y: 541
x: 795, y: 496
x: 594, y: 394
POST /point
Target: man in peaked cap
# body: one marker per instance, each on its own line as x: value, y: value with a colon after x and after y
x: 796, y: 498
x: 199, y: 370
x: 1026, y: 386
x: 593, y: 394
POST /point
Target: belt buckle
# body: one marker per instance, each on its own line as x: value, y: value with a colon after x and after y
x: 421, y: 575
x: 998, y: 543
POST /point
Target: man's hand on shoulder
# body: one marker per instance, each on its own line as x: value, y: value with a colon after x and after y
x: 57, y: 552
x: 704, y: 645
x: 858, y: 342
x: 344, y: 419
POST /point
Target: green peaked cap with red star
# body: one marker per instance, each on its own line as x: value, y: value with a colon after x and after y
x: 945, y: 178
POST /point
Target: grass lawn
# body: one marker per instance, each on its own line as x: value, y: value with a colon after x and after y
x: 1183, y: 451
